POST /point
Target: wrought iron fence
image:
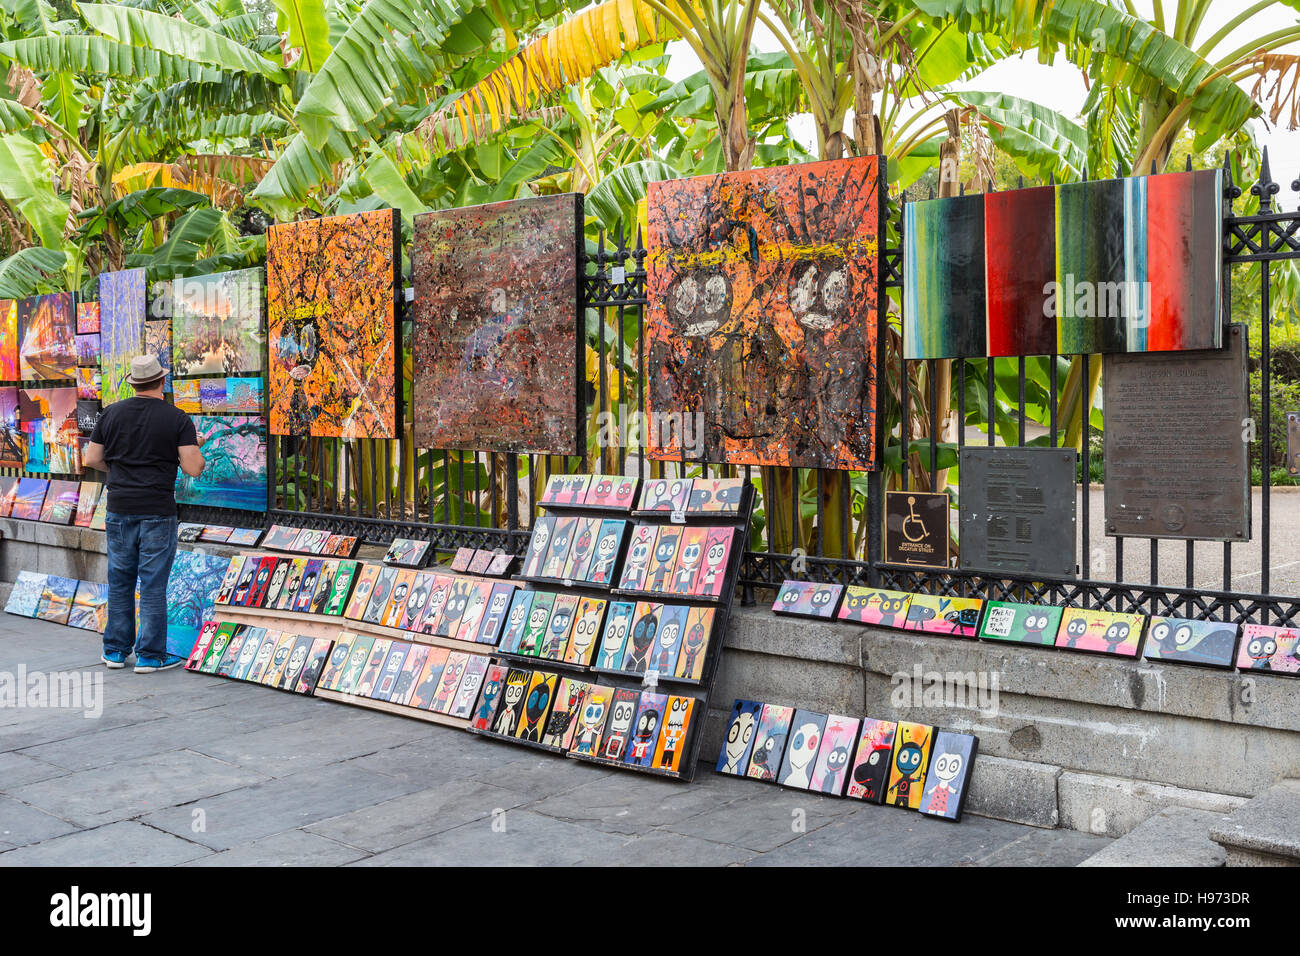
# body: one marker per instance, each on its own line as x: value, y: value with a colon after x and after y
x: 811, y: 524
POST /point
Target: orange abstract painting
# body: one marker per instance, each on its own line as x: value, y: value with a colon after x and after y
x: 331, y: 307
x: 764, y: 300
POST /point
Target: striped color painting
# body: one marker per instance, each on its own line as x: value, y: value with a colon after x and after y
x: 1019, y: 264
x: 943, y: 278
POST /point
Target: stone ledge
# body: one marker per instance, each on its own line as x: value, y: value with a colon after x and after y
x: 1176, y: 836
x: 1114, y: 806
x: 1263, y: 832
x: 1015, y: 790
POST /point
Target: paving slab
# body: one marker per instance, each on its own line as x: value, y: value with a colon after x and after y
x: 1176, y: 836
x: 124, y: 843
x: 1047, y: 848
x: 21, y: 824
x: 290, y: 848
x: 765, y: 818
x: 17, y: 769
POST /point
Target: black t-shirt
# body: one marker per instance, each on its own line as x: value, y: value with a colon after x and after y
x: 140, y: 438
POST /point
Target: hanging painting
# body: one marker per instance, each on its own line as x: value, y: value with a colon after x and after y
x: 332, y: 287
x: 13, y: 440
x: 158, y: 343
x: 498, y: 338
x: 47, y: 330
x: 9, y: 340
x: 234, y: 476
x: 217, y: 323
x: 49, y: 421
x: 122, y: 308
x: 764, y: 291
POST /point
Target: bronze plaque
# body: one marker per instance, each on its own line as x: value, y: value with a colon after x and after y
x: 1177, y: 455
x: 1293, y: 443
x: 916, y: 529
x: 1017, y: 510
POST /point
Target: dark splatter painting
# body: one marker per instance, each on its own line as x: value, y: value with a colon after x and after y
x: 764, y: 298
x: 496, y: 327
x: 331, y: 308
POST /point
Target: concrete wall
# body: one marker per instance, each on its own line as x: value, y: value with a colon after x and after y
x: 1074, y: 740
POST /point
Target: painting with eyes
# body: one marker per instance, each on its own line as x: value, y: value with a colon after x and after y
x: 564, y: 489
x: 678, y: 714
x: 769, y: 742
x: 611, y: 491
x: 938, y: 614
x: 864, y: 605
x: 613, y: 639
x: 808, y: 599
x: 951, y: 760
x: 764, y: 296
x: 738, y: 744
x: 716, y: 496
x: 830, y: 768
x: 1183, y: 641
x: 489, y: 697
x: 618, y: 726
x: 1021, y: 623
x: 584, y: 740
x: 569, y: 696
x: 912, y: 744
x: 806, y: 731
x: 665, y: 495
x: 331, y: 287
x: 497, y: 326
x: 1270, y: 648
x: 872, y: 761
x: 646, y: 728
x: 1102, y: 632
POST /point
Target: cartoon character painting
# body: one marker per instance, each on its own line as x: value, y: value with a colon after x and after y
x: 645, y: 729
x: 739, y: 743
x: 806, y: 730
x: 769, y: 742
x: 951, y: 762
x: 829, y: 773
x: 872, y: 761
x: 912, y: 744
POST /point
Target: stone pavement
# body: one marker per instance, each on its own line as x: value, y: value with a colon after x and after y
x: 184, y: 769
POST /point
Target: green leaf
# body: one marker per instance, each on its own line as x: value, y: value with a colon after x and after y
x: 387, y: 182
x: 1040, y: 140
x: 96, y: 54
x: 169, y: 35
x: 27, y: 184
x: 308, y: 27
x: 185, y: 240
x: 14, y: 116
x: 29, y: 271
x: 615, y: 197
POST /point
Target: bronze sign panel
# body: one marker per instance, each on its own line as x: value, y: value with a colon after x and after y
x: 1018, y: 510
x: 1177, y: 452
x: 916, y: 529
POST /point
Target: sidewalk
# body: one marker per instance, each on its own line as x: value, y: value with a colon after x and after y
x: 197, y: 770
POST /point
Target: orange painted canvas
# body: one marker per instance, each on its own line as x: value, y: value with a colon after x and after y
x: 764, y: 294
x: 331, y: 286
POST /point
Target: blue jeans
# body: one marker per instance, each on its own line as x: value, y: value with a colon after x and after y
x: 139, y: 547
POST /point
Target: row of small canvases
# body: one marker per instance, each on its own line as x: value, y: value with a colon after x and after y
x: 617, y: 725
x: 59, y: 600
x: 902, y: 764
x: 672, y: 640
x: 189, y: 532
x: 54, y: 501
x: 468, y: 560
x: 422, y: 602
x: 702, y: 496
x: 310, y: 541
x: 1254, y: 647
x: 775, y: 349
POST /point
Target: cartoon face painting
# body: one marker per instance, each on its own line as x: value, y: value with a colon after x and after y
x: 614, y: 640
x: 805, y: 737
x: 638, y: 556
x: 950, y: 768
x: 911, y: 756
x: 739, y: 742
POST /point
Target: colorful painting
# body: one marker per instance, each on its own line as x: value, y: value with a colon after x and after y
x: 407, y: 553
x: 56, y: 599
x: 186, y: 395
x: 695, y: 643
x: 234, y: 447
x: 192, y: 589
x: 613, y: 641
x: 87, y: 498
x: 498, y: 335
x: 872, y: 761
x: 737, y: 746
x: 13, y: 440
x: 49, y: 422
x: 158, y: 343
x: 646, y: 728
x: 716, y: 496
x: 29, y: 497
x: 611, y: 491
x: 808, y: 599
x: 912, y: 743
x: 87, y: 317
x: 8, y: 491
x: 569, y: 696
x: 833, y: 755
x: 585, y: 739
x: 1183, y: 641
x: 331, y: 305
x: 764, y: 298
x: 536, y: 706
x: 806, y: 731
x: 639, y: 550
x: 244, y: 394
x: 585, y: 633
x: 678, y: 714
x: 89, y: 352
x: 9, y: 340
x: 60, y: 502
x: 1021, y: 623
x: 1121, y: 265
x: 88, y: 380
x: 1265, y: 647
x: 952, y: 758
x: 47, y: 329
x: 937, y: 614
x: 26, y: 594
x: 1103, y: 632
x: 562, y: 489
x: 769, y: 742
x: 665, y: 495
x: 864, y: 605
x: 485, y: 710
x: 212, y: 395
x: 122, y: 308
x: 217, y: 323
x: 618, y: 726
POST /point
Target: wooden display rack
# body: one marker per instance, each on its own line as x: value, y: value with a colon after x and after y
x: 700, y: 689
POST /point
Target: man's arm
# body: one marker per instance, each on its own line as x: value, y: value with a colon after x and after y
x: 192, y: 460
x: 93, y: 456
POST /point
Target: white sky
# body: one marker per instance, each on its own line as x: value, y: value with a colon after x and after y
x: 1060, y: 86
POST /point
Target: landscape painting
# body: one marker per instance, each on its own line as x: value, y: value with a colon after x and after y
x: 764, y: 299
x: 235, y: 474
x: 217, y: 321
x: 191, y: 595
x: 47, y: 333
x: 497, y: 329
x: 122, y: 308
x: 331, y: 309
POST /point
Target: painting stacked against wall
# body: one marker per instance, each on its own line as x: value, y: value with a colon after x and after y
x: 13, y: 442
x: 764, y: 291
x: 332, y: 334
x: 191, y: 596
x: 234, y: 476
x: 497, y: 332
x: 123, y: 308
x: 47, y: 330
x: 1118, y: 265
